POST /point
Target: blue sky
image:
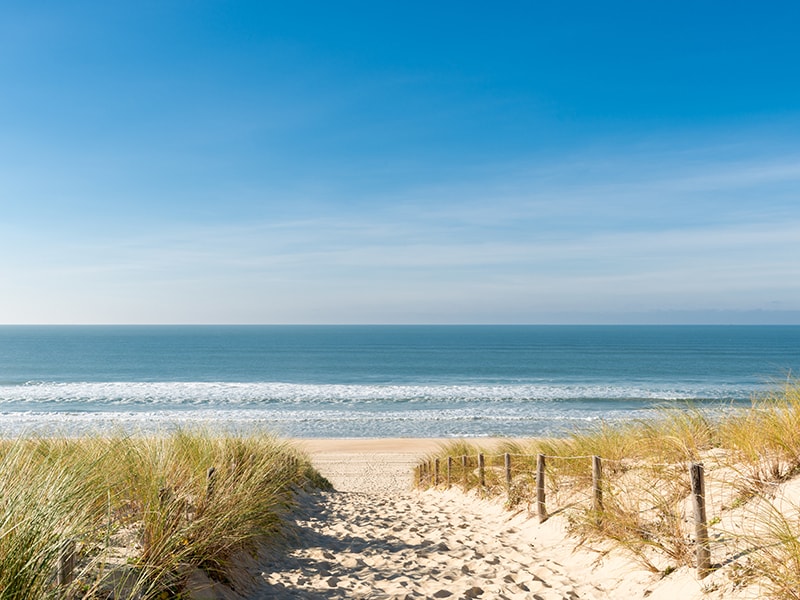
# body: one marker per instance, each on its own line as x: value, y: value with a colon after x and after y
x: 388, y: 162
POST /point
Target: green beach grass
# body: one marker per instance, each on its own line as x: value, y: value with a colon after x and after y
x: 141, y: 513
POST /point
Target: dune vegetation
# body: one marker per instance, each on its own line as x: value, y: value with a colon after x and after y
x: 133, y: 517
x: 750, y: 458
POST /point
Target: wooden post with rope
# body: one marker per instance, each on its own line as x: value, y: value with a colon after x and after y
x: 700, y: 522
x: 541, y: 509
x: 449, y: 471
x: 597, y: 489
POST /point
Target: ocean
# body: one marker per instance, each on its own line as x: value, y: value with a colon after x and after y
x: 378, y: 381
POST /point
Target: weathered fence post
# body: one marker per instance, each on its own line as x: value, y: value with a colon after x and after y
x: 436, y: 472
x: 464, y: 469
x: 164, y: 496
x: 541, y: 510
x: 65, y: 566
x: 481, y: 470
x: 507, y: 460
x: 211, y: 477
x: 449, y: 471
x: 597, y: 487
x: 700, y: 523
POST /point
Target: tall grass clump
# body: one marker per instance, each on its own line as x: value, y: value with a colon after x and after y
x: 764, y: 441
x: 42, y: 506
x: 143, y: 512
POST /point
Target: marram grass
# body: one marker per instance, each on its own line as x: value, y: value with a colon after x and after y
x: 646, y: 508
x: 141, y: 512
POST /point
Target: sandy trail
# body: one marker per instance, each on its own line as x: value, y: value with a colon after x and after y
x: 374, y: 538
x: 360, y: 545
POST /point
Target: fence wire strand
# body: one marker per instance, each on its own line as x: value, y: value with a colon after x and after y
x: 651, y: 507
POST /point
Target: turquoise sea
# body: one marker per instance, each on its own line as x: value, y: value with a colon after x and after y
x: 378, y: 381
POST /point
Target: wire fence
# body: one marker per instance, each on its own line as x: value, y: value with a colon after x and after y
x: 682, y: 511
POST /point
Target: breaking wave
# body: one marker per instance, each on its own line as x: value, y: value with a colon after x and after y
x: 175, y: 394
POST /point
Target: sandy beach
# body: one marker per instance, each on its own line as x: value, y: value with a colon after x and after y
x: 376, y: 538
x: 369, y: 465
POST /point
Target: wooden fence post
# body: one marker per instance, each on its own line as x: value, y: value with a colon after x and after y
x: 482, y: 470
x: 464, y: 469
x: 507, y: 460
x: 65, y: 566
x: 700, y: 523
x: 436, y: 472
x: 449, y: 471
x: 597, y: 487
x: 164, y: 496
x: 541, y: 510
x: 211, y: 476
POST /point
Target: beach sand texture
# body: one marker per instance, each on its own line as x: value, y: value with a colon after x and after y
x: 376, y: 538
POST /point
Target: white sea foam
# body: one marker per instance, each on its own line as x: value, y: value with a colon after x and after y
x: 472, y: 422
x: 210, y: 394
x: 336, y: 410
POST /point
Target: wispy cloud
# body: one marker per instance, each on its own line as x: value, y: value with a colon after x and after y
x: 576, y: 236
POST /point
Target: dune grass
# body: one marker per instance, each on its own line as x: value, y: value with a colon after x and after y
x: 748, y: 455
x: 141, y: 513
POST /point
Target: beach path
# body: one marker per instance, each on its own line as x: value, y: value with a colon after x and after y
x: 375, y: 538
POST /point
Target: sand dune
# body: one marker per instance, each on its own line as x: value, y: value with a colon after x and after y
x: 375, y: 538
